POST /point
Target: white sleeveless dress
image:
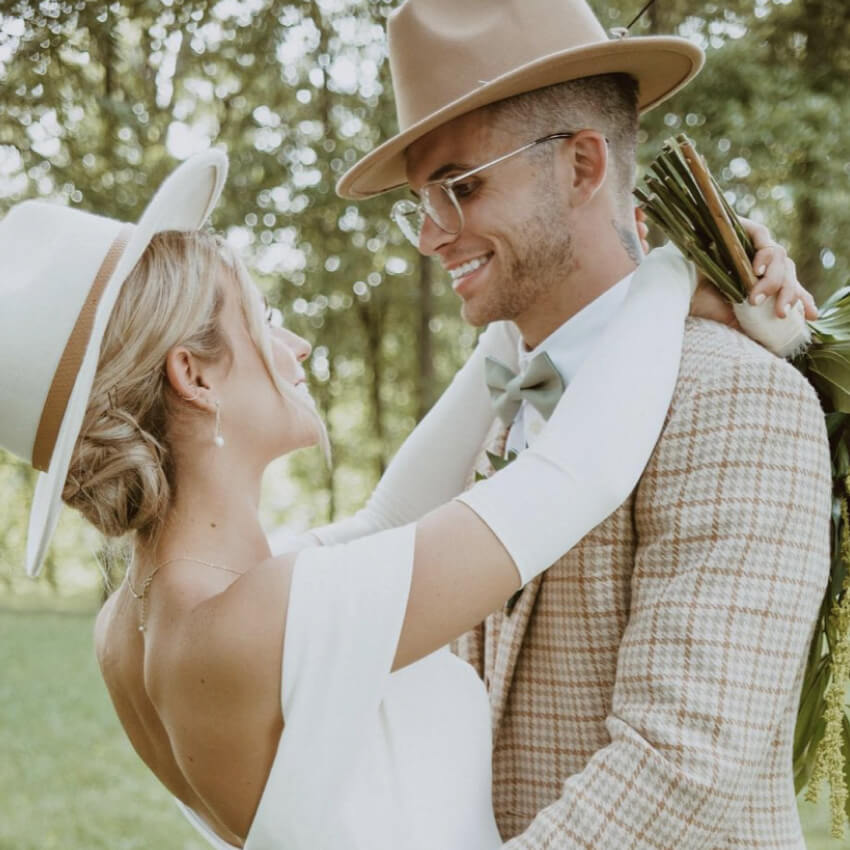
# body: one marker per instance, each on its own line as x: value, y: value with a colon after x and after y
x: 370, y: 759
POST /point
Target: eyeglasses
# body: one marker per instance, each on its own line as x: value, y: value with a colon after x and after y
x: 440, y: 201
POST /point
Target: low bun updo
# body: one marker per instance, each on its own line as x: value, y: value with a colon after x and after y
x: 121, y: 473
x: 118, y: 479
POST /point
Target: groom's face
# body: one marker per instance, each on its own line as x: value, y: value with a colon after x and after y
x: 515, y: 246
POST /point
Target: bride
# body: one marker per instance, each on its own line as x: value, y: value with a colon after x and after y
x: 305, y: 701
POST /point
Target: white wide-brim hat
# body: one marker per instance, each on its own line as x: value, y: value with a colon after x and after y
x: 61, y: 271
x: 451, y: 57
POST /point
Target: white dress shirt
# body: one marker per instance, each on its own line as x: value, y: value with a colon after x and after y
x: 567, y: 346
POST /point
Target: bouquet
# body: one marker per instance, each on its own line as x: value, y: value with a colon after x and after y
x: 681, y: 197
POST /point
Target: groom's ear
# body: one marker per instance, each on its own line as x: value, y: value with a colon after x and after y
x: 586, y: 156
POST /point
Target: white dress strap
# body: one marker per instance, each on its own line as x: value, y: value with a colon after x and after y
x: 346, y: 609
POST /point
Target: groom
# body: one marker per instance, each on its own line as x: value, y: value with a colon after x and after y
x: 644, y: 690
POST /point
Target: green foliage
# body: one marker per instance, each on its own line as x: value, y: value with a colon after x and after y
x: 496, y: 462
x: 101, y: 99
x: 826, y: 361
x: 69, y: 779
x: 106, y: 99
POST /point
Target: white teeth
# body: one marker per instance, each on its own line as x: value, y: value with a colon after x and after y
x: 468, y: 268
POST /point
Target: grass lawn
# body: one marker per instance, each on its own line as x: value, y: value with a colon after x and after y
x: 68, y: 777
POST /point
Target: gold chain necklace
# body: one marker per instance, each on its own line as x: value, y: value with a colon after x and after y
x: 143, y: 596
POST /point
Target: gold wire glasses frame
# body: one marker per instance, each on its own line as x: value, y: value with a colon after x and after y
x: 439, y: 202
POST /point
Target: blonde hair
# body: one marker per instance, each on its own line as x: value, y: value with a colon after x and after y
x: 122, y: 472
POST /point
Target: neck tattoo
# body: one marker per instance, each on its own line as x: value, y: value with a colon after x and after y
x: 630, y: 242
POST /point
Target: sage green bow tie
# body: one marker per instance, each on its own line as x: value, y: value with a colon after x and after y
x: 538, y: 384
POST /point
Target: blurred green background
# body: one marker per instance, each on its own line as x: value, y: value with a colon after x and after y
x: 98, y: 101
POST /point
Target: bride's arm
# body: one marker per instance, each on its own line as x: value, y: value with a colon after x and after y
x: 434, y: 463
x: 473, y: 554
x: 584, y: 465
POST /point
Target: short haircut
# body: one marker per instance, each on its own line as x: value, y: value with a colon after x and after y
x: 607, y: 103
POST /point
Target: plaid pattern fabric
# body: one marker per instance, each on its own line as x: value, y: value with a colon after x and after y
x: 644, y: 689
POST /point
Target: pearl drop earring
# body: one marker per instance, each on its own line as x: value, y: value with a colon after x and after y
x: 218, y: 439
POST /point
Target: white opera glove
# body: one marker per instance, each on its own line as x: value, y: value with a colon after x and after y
x: 785, y: 337
x: 435, y: 462
x: 598, y: 440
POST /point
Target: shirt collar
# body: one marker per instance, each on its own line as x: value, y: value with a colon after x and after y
x: 568, y: 344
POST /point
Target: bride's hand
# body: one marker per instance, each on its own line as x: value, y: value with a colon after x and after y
x: 775, y: 271
x: 776, y: 274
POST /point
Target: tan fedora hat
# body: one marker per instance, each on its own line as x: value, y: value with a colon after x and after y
x: 61, y: 271
x: 450, y: 57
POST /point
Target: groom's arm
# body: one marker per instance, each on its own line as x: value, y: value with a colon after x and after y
x: 732, y: 517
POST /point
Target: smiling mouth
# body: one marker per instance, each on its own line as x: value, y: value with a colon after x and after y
x: 464, y: 269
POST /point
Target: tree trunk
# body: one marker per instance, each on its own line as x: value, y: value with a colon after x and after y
x: 657, y: 16
x: 322, y: 396
x: 371, y: 319
x: 812, y: 22
x: 425, y: 373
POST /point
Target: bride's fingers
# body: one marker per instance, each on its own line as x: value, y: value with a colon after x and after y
x: 643, y: 233
x: 811, y: 308
x: 793, y: 295
x: 777, y: 275
x: 642, y: 229
x: 775, y: 271
x: 771, y: 271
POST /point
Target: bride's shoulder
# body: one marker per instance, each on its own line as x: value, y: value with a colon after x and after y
x: 228, y: 646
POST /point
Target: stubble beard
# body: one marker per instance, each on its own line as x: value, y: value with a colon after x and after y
x: 542, y: 260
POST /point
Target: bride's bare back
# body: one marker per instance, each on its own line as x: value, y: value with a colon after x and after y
x: 198, y: 693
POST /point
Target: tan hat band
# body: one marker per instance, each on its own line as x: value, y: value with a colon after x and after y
x: 72, y: 357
